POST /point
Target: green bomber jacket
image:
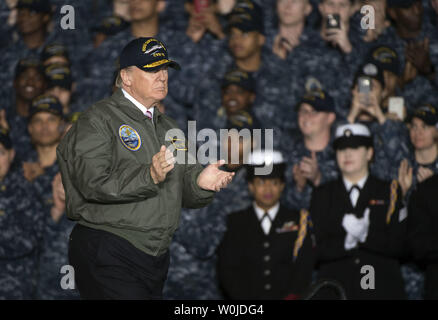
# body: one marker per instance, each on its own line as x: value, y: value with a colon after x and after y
x: 105, y: 161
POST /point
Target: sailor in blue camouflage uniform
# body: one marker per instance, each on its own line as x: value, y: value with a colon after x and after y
x: 46, y: 126
x: 417, y: 48
x: 22, y: 222
x: 28, y: 84
x: 247, y: 53
x: 391, y: 144
x: 309, y: 154
x: 423, y: 156
x: 420, y: 165
x: 329, y: 58
x: 192, y: 270
x: 60, y: 85
x: 33, y: 18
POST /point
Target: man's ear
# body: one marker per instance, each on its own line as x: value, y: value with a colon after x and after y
x: 11, y: 155
x: 308, y: 9
x: 161, y: 6
x: 262, y: 40
x: 126, y: 77
x: 331, y: 118
x: 252, y: 97
x: 73, y: 87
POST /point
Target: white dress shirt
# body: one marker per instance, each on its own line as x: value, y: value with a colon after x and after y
x: 354, y: 194
x: 266, y: 223
x: 142, y: 108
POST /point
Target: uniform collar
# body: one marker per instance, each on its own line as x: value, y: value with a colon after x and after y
x: 142, y: 108
x: 360, y: 183
x: 129, y: 108
x: 271, y: 212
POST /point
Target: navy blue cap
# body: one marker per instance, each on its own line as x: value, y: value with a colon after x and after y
x: 110, y: 25
x: 24, y: 64
x: 54, y: 50
x: 46, y: 103
x: 320, y: 100
x: 246, y: 16
x: 5, y: 140
x: 371, y: 70
x: 385, y: 58
x: 58, y: 75
x: 239, y: 78
x: 35, y: 5
x: 427, y: 113
x: 147, y: 54
x: 401, y: 3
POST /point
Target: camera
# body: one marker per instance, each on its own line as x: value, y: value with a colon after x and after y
x: 333, y: 21
x: 364, y: 84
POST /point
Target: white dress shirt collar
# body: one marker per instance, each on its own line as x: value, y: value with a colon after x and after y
x: 142, y: 108
x: 271, y: 212
x: 360, y: 183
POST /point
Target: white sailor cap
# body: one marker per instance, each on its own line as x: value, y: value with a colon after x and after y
x: 265, y: 158
x: 352, y: 136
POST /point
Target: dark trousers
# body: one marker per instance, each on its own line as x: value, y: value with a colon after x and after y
x: 110, y: 267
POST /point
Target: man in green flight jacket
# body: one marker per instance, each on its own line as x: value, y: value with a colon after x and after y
x: 123, y: 184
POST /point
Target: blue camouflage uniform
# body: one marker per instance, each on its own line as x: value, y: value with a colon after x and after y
x: 294, y: 152
x: 54, y: 248
x: 22, y: 222
x: 391, y: 146
x: 316, y: 64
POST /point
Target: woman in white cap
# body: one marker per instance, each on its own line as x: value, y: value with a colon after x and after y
x: 359, y: 223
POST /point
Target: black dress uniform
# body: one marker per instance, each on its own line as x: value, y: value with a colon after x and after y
x: 383, y: 244
x: 423, y: 232
x: 255, y: 265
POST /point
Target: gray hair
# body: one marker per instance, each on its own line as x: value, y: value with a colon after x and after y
x: 118, y: 83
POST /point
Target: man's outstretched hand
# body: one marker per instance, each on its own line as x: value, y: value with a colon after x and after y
x: 211, y: 178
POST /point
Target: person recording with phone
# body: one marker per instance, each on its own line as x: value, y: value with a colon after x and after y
x: 390, y: 134
x: 335, y: 24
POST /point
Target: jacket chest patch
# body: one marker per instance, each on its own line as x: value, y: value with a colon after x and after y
x: 129, y: 137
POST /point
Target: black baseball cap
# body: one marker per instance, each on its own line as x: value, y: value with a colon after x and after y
x: 54, y: 50
x: 25, y: 64
x: 58, y: 75
x: 246, y: 16
x: 239, y: 78
x: 110, y: 25
x: 5, y: 140
x: 42, y: 6
x: 427, y: 113
x: 320, y: 100
x: 385, y: 58
x: 46, y: 103
x: 147, y: 54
